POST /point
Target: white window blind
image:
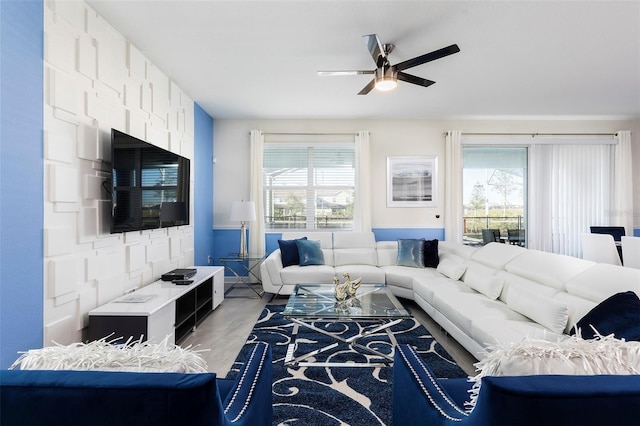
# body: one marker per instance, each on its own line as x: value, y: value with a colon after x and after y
x: 309, y: 185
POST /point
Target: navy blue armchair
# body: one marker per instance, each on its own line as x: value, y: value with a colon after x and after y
x: 419, y: 398
x: 45, y: 397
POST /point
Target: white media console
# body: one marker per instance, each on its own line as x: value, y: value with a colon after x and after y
x: 160, y: 309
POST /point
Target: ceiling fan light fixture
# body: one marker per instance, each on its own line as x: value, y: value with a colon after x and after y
x: 386, y: 79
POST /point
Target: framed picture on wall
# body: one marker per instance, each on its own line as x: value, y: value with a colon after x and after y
x: 412, y: 181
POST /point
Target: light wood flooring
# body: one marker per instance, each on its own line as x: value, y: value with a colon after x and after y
x: 225, y: 330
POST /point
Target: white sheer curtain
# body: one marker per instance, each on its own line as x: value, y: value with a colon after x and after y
x: 622, y: 203
x: 362, y: 207
x: 256, y: 229
x: 581, y: 188
x: 539, y: 235
x: 453, y: 210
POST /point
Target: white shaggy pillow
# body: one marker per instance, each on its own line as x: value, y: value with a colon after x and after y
x: 100, y: 355
x: 451, y: 269
x: 571, y: 356
x: 544, y: 310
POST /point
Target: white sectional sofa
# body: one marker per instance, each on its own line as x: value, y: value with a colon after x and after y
x: 492, y: 295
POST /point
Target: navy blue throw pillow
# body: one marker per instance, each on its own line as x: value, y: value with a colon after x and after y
x: 619, y: 314
x: 431, y: 258
x: 289, y: 252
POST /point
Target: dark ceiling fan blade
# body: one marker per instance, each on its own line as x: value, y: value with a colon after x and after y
x: 428, y: 57
x: 366, y: 89
x: 375, y: 48
x: 415, y: 80
x: 348, y: 72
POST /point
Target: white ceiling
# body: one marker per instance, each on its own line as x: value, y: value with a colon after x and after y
x: 525, y: 59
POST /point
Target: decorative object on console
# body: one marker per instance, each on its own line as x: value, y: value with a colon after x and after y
x: 618, y: 315
x: 102, y: 355
x: 346, y: 289
x: 243, y: 212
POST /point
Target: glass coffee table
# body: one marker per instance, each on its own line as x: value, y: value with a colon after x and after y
x: 311, y: 304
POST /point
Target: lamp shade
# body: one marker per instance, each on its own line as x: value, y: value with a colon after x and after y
x: 243, y: 211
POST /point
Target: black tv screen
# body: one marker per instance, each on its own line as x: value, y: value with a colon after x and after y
x: 150, y: 185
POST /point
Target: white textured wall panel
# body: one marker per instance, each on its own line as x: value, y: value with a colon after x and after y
x: 63, y: 184
x: 135, y: 257
x: 60, y: 46
x: 63, y: 276
x: 136, y: 62
x: 58, y: 331
x: 87, y: 142
x: 62, y: 90
x: 95, y: 80
x: 87, y: 56
x: 59, y: 142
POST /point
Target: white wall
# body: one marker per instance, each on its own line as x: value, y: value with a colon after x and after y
x: 388, y: 138
x: 94, y: 79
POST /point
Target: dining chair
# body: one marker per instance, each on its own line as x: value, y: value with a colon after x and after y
x: 616, y: 231
x: 600, y: 248
x: 631, y: 252
x: 490, y: 236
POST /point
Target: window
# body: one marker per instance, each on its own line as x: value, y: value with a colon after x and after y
x: 309, y: 186
x: 494, y: 194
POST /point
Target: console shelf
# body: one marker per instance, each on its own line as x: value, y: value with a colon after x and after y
x: 160, y: 309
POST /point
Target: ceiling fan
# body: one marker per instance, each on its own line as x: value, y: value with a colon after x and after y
x: 386, y: 76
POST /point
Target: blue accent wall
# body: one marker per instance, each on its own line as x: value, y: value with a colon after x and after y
x: 21, y: 178
x: 203, y: 181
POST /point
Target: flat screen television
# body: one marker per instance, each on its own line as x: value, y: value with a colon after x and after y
x: 150, y: 185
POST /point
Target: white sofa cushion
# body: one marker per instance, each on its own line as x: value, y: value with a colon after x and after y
x: 483, y: 281
x: 369, y: 274
x: 426, y: 287
x: 603, y: 280
x: 550, y: 269
x: 497, y: 255
x: 355, y: 256
x: 544, y: 310
x: 511, y: 281
x: 312, y: 274
x: 450, y: 268
x: 578, y: 308
x: 495, y: 331
x: 464, y: 307
x: 387, y: 252
x: 404, y: 276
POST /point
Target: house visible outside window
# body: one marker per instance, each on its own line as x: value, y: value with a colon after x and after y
x: 494, y: 194
x: 309, y: 186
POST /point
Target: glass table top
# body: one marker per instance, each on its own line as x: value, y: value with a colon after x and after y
x: 372, y: 301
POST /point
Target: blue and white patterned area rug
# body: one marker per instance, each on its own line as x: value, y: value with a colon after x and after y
x: 339, y: 395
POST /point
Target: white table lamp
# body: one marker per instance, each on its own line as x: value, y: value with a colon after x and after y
x: 243, y: 212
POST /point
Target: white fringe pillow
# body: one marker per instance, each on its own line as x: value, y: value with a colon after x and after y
x: 101, y: 355
x: 571, y: 356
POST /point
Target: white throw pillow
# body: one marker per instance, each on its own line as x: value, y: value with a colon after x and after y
x: 487, y: 284
x: 100, y: 355
x: 544, y: 310
x: 571, y: 356
x: 451, y: 269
